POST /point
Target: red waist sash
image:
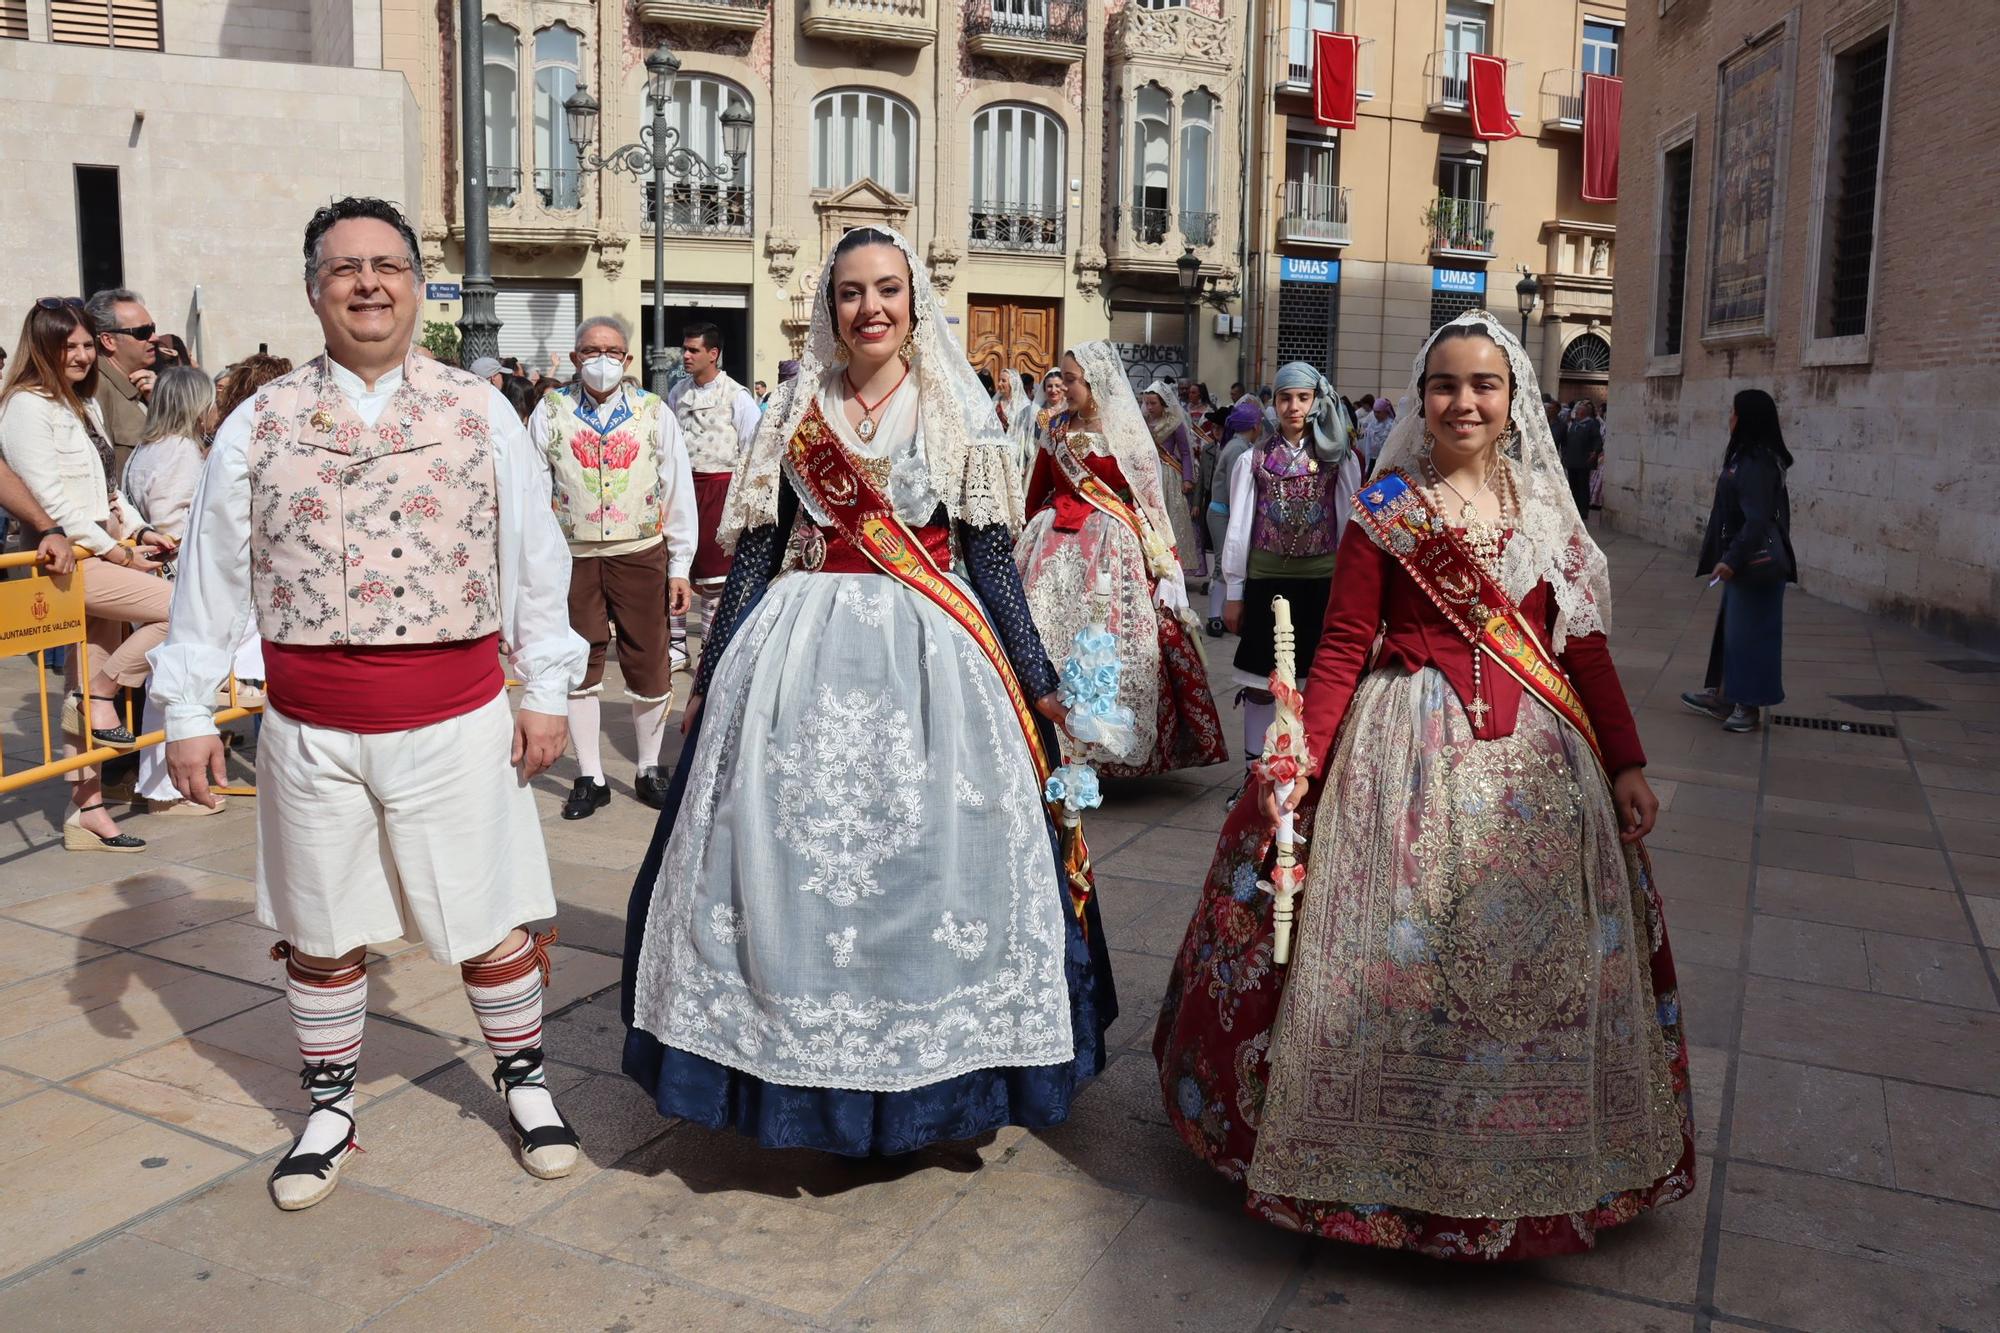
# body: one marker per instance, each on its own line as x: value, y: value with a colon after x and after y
x: 376, y: 690
x: 842, y: 556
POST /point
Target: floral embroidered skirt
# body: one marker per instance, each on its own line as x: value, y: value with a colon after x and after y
x: 1188, y: 545
x: 1475, y: 1051
x: 1162, y: 676
x: 852, y: 932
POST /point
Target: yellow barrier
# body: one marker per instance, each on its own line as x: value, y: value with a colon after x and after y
x: 42, y: 612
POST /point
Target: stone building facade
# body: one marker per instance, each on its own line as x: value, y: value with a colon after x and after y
x: 181, y: 154
x: 1811, y: 184
x: 988, y: 131
x: 1362, y: 241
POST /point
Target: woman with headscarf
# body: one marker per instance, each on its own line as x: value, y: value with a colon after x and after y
x: 856, y: 929
x: 1748, y: 550
x: 1096, y: 509
x: 1287, y: 510
x: 1475, y: 1048
x: 1175, y: 441
x: 1246, y: 427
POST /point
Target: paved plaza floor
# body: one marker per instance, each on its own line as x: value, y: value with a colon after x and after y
x: 1834, y: 906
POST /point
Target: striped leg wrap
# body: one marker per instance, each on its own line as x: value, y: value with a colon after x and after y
x: 328, y: 1009
x: 506, y: 997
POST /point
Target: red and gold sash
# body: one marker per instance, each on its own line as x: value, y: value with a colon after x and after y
x: 1461, y: 587
x: 1093, y: 488
x: 862, y: 515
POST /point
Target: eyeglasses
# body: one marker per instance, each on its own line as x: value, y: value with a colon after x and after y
x: 346, y: 268
x: 143, y: 332
x: 59, y: 303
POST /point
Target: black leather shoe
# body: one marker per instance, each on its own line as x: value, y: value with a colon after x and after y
x: 586, y: 798
x: 652, y: 787
x: 1216, y: 629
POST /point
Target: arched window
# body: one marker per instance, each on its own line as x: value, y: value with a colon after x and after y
x: 503, y: 113
x: 1197, y: 164
x: 859, y: 133
x: 558, y: 65
x: 1587, y: 354
x: 1018, y: 165
x: 704, y: 207
x: 1152, y: 162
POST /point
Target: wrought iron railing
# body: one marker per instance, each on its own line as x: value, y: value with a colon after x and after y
x: 1562, y: 99
x: 1315, y: 213
x: 503, y: 186
x: 1149, y: 225
x: 1448, y: 81
x: 1199, y: 228
x: 701, y: 210
x: 1039, y: 20
x: 1002, y: 226
x: 1292, y: 62
x: 1462, y: 226
x: 560, y: 188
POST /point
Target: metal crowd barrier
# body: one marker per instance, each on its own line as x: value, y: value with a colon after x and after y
x: 43, y: 612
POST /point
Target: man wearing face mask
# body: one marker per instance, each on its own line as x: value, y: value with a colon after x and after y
x: 718, y: 419
x: 625, y: 497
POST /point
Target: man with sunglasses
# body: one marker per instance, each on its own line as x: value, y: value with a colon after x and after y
x: 125, y: 356
x: 384, y: 520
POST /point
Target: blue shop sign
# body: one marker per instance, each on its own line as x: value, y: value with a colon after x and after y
x: 1467, y: 281
x: 1326, y: 271
x: 442, y: 291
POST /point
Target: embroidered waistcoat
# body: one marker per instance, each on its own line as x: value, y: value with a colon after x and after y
x: 708, y: 423
x: 604, y: 458
x: 374, y: 535
x: 1295, y: 505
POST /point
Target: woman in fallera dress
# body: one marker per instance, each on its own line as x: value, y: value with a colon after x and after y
x: 1096, y: 508
x: 1475, y: 1049
x: 855, y: 931
x: 1175, y: 439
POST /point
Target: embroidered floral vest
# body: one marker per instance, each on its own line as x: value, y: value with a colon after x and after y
x: 708, y: 423
x: 374, y: 536
x: 1295, y: 505
x: 604, y: 458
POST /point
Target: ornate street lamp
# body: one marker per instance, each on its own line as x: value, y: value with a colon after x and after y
x: 1525, y: 293
x: 1188, y: 270
x: 659, y: 153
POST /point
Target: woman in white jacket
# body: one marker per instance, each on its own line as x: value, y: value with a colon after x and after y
x: 52, y: 436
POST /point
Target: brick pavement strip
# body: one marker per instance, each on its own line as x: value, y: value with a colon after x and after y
x: 1835, y: 903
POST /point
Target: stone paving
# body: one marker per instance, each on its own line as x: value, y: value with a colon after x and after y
x: 1834, y: 901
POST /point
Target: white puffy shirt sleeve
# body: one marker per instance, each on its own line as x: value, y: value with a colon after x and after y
x: 211, y: 606
x: 546, y: 654
x: 1242, y: 520
x: 683, y: 520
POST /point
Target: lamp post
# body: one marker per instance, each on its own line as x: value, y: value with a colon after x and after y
x: 659, y: 154
x: 1188, y: 270
x: 1525, y: 292
x: 478, y: 321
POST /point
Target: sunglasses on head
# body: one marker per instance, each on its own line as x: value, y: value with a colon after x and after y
x: 59, y: 302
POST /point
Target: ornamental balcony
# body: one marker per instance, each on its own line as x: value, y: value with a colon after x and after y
x: 1046, y: 31
x: 1461, y: 228
x: 709, y: 209
x: 503, y: 188
x: 1562, y: 99
x: 719, y: 15
x: 1151, y: 240
x: 1448, y: 83
x: 1314, y: 215
x: 1013, y: 229
x: 907, y: 23
x: 548, y: 217
x: 1292, y: 64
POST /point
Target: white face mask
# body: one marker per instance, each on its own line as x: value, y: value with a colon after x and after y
x: 602, y: 373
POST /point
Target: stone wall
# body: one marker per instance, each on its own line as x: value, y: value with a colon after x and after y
x: 1896, y: 492
x: 216, y: 182
x: 241, y: 29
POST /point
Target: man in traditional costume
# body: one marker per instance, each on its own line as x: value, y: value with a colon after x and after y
x: 855, y: 931
x: 625, y: 500
x: 1475, y: 1049
x: 384, y: 518
x: 1287, y: 511
x: 718, y: 419
x: 1096, y: 508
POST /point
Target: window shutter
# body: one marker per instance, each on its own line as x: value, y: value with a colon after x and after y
x: 14, y: 20
x: 133, y: 24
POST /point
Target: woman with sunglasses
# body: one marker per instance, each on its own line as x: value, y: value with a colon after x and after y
x: 52, y: 434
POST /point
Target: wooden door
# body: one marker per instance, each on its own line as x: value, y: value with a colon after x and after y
x: 1010, y: 333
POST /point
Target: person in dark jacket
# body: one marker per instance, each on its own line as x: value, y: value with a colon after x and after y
x: 1748, y: 550
x: 1582, y: 447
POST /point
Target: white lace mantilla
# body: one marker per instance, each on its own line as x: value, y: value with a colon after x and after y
x: 860, y: 891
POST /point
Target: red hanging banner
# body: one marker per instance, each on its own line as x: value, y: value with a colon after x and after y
x: 1336, y: 79
x: 1487, y: 100
x: 1603, y: 102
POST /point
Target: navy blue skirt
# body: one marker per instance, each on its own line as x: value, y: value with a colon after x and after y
x: 1750, y: 634
x: 854, y: 1123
